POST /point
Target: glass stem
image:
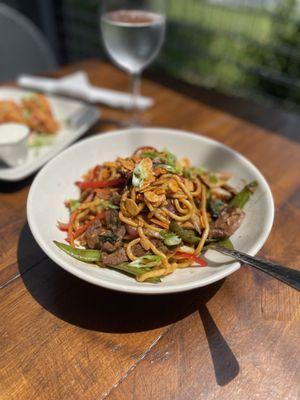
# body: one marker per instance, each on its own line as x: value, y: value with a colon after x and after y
x: 135, y: 88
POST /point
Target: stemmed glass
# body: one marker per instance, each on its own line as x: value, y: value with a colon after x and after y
x: 133, y: 32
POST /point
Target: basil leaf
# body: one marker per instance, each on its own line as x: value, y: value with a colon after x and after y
x: 109, y: 237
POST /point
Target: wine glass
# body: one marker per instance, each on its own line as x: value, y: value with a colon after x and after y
x: 133, y: 32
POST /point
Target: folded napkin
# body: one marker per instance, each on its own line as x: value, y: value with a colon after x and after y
x: 78, y: 85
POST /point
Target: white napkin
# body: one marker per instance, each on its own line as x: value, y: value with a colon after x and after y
x: 78, y: 85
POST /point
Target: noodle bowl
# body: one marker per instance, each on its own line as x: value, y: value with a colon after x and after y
x: 149, y: 214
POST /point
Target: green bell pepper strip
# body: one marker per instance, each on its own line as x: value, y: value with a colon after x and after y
x: 241, y: 198
x: 187, y: 235
x: 85, y: 255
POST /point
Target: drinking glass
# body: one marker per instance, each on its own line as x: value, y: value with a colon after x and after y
x: 133, y: 32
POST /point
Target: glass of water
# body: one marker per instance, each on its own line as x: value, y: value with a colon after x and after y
x: 133, y: 32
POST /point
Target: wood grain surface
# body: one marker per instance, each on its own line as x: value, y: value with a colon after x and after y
x: 62, y: 338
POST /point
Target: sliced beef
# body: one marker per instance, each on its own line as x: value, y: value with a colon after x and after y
x: 117, y: 257
x: 113, y: 222
x: 138, y: 250
x: 107, y: 236
x: 110, y: 242
x: 159, y: 244
x: 228, y: 222
x: 93, y: 234
x: 112, y: 219
x: 116, y: 228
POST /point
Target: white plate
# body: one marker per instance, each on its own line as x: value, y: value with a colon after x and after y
x: 55, y: 183
x: 62, y: 110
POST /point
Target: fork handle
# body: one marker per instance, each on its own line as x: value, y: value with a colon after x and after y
x: 287, y: 275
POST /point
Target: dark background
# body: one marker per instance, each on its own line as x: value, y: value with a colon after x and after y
x: 246, y: 48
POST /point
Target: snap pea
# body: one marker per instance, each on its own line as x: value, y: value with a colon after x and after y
x: 136, y: 271
x: 84, y: 255
x: 226, y: 243
x: 241, y: 198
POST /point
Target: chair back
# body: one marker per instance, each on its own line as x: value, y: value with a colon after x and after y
x: 23, y: 48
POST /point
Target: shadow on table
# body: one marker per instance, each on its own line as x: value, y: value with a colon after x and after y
x: 12, y: 187
x: 91, y: 307
x: 224, y: 361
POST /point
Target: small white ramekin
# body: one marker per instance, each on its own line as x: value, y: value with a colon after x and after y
x: 13, y: 143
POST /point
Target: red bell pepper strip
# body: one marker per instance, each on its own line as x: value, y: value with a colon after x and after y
x: 192, y: 257
x: 62, y: 226
x: 101, y: 184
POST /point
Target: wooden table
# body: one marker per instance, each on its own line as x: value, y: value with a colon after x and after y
x: 62, y: 338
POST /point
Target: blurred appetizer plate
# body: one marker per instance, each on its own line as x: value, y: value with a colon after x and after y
x: 74, y: 117
x: 55, y: 183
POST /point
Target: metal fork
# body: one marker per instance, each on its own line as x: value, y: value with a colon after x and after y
x: 287, y: 275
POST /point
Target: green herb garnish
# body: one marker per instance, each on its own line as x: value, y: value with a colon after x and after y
x: 170, y: 238
x: 109, y: 237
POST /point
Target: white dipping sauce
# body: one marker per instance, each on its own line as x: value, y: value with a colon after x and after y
x: 11, y: 133
x: 13, y: 143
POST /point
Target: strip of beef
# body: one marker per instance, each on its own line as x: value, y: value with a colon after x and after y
x: 110, y: 242
x: 108, y: 237
x: 117, y: 257
x: 113, y: 222
x: 114, y: 225
x: 159, y: 244
x: 229, y: 220
x: 138, y: 250
x: 93, y: 234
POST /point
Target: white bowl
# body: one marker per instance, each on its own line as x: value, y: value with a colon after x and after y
x: 55, y: 183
